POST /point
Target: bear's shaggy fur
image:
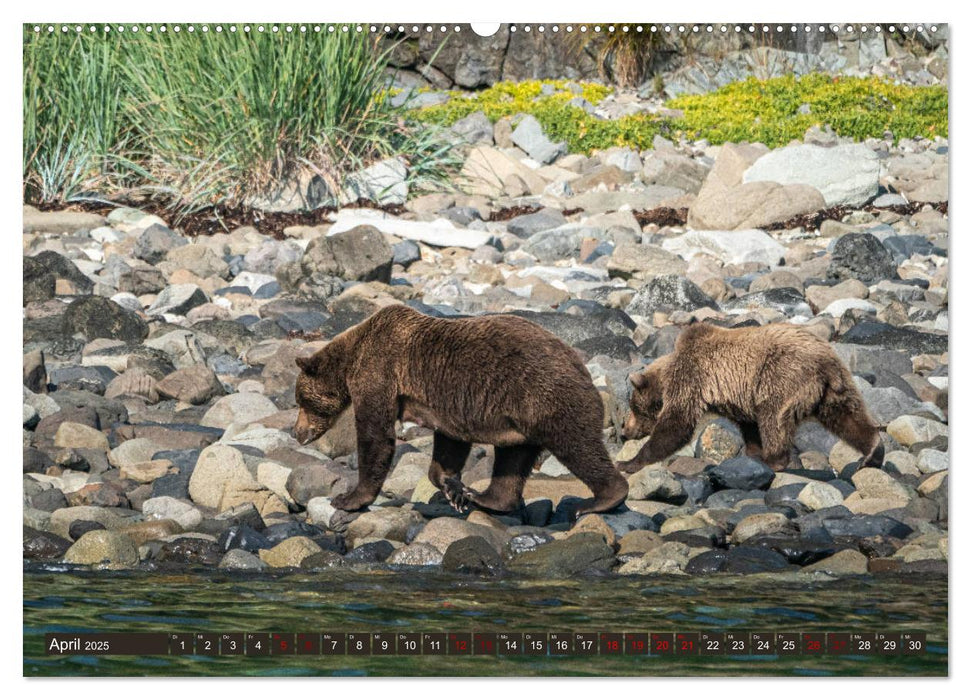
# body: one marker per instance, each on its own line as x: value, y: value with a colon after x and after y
x: 500, y: 380
x: 767, y: 379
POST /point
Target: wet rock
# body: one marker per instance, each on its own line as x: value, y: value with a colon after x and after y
x: 416, y: 554
x: 842, y: 563
x: 110, y: 550
x: 797, y: 550
x: 80, y: 527
x: 738, y: 560
x: 863, y: 526
x: 191, y: 550
x: 565, y: 558
x: 322, y: 560
x: 290, y: 552
x: 666, y: 558
x: 38, y: 544
x: 240, y: 560
x: 472, y: 555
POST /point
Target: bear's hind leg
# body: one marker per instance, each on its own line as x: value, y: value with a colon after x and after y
x: 588, y: 461
x: 509, y: 473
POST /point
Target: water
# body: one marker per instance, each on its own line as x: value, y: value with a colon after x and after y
x: 389, y: 601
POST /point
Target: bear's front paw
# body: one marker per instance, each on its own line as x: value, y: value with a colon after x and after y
x: 459, y: 496
x: 350, y: 502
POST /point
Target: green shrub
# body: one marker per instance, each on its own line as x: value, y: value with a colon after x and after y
x: 769, y: 110
x: 752, y: 110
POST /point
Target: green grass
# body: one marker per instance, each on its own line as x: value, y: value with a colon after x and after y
x: 750, y: 110
x: 205, y: 117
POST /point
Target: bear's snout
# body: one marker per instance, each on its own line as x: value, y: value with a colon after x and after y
x: 305, y: 430
x: 632, y: 429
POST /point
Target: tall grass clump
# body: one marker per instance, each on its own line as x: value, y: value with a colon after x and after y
x: 73, y: 115
x: 207, y: 117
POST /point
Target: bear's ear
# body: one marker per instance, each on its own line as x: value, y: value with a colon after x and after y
x: 639, y: 380
x: 307, y: 364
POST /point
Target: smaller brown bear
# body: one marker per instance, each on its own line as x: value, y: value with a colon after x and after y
x: 767, y: 379
x: 499, y: 379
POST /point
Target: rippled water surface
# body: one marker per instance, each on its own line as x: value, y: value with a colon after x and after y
x: 352, y: 601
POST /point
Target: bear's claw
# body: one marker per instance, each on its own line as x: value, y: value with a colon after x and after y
x: 458, y: 495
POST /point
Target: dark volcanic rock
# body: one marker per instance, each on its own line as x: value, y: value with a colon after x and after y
x: 472, y: 555
x: 887, y: 336
x: 742, y: 473
x: 567, y: 327
x: 189, y: 550
x: 619, y: 347
x: 62, y: 268
x: 783, y: 299
x: 39, y: 282
x: 97, y: 317
x: 79, y: 527
x: 730, y: 497
x: 796, y: 550
x: 861, y: 256
x: 93, y: 379
x: 243, y: 537
x: 861, y: 526
x: 370, y: 552
x: 738, y: 560
x: 669, y: 293
x: 43, y: 545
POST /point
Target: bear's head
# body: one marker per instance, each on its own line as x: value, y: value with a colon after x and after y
x: 321, y: 394
x: 646, y: 401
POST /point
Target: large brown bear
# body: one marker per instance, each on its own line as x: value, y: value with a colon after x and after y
x: 500, y: 380
x: 767, y: 379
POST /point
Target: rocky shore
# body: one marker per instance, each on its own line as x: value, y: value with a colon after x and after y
x: 159, y: 369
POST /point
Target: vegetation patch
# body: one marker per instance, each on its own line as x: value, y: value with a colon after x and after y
x: 773, y: 111
x: 199, y: 118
